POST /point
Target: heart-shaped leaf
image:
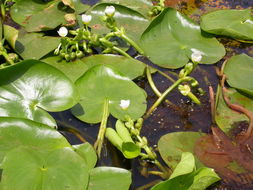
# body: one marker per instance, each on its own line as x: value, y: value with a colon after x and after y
x: 178, y: 142
x: 226, y: 118
x: 30, y: 87
x: 30, y: 45
x: 107, y: 178
x: 171, y: 38
x: 15, y: 132
x: 142, y: 6
x: 238, y: 71
x: 28, y: 169
x: 130, y: 19
x: 37, y: 15
x: 130, y: 68
x: 103, y: 83
x: 237, y: 24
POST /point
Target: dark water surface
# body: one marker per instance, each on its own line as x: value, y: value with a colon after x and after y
x: 166, y: 119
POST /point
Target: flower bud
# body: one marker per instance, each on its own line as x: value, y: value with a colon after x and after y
x: 196, y: 57
x: 63, y: 31
x: 184, y: 89
x: 124, y: 104
x: 86, y: 19
x: 110, y: 11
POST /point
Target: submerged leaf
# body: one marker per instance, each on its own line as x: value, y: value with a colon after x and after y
x: 178, y: 142
x: 59, y: 169
x: 226, y: 118
x: 108, y: 178
x: 31, y: 88
x: 102, y: 83
x: 16, y: 132
x: 133, y: 22
x: 237, y: 24
x: 238, y: 71
x: 171, y: 38
x: 30, y: 45
x: 37, y: 16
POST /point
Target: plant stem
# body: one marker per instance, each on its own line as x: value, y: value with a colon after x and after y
x: 193, y: 98
x: 132, y: 43
x: 163, y: 96
x: 7, y: 58
x: 101, y: 134
x: 120, y: 51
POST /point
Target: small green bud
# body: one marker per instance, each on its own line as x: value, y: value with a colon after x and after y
x: 181, y: 73
x: 194, y: 83
x: 79, y: 54
x: 184, y: 89
x: 72, y: 55
x: 188, y: 67
x: 67, y: 57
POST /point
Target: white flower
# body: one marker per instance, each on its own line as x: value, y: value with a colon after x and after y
x: 124, y: 104
x: 110, y: 10
x: 196, y: 57
x: 86, y: 18
x: 63, y: 31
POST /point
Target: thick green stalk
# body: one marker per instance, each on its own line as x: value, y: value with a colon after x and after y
x: 163, y: 96
x: 120, y: 51
x: 7, y: 58
x: 101, y: 134
x: 132, y: 43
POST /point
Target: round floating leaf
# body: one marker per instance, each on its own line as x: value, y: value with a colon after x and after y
x: 108, y: 178
x: 237, y: 24
x: 30, y: 88
x: 26, y: 44
x: 101, y: 83
x: 178, y: 142
x: 239, y: 73
x: 37, y: 15
x: 15, y: 132
x: 171, y: 38
x: 87, y: 152
x: 131, y: 68
x: 142, y: 6
x: 133, y: 21
x: 226, y: 118
x: 27, y: 169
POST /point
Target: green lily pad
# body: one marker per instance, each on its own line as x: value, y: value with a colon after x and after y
x: 142, y: 6
x: 80, y: 7
x: 178, y: 142
x: 131, y: 68
x: 186, y: 177
x: 108, y: 178
x: 226, y: 118
x: 103, y: 83
x: 26, y: 44
x: 37, y: 15
x: 28, y: 169
x: 30, y: 88
x: 237, y: 24
x: 130, y: 19
x: 171, y: 38
x: 238, y: 71
x: 87, y: 152
x: 15, y: 132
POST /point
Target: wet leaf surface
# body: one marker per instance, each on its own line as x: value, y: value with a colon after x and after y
x: 236, y: 24
x: 174, y: 34
x: 172, y: 145
x: 108, y: 177
x: 31, y: 88
x: 238, y: 71
x: 59, y: 169
x: 30, y: 134
x: 100, y: 84
x: 130, y: 68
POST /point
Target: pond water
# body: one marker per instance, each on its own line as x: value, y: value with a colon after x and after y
x: 185, y: 116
